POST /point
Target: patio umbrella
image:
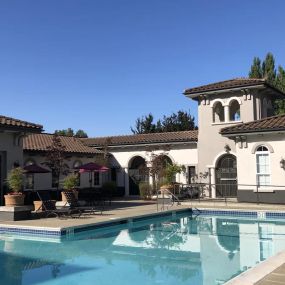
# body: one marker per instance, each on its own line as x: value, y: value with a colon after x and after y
x: 91, y: 167
x: 34, y: 168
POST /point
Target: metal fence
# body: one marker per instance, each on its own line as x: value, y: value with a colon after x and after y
x: 227, y: 191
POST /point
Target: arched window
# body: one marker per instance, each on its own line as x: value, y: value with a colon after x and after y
x: 218, y: 113
x: 262, y: 166
x: 29, y: 177
x: 76, y: 165
x: 234, y: 109
x: 29, y: 162
x: 264, y: 108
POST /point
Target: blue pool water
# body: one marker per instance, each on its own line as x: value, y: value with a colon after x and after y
x: 200, y: 250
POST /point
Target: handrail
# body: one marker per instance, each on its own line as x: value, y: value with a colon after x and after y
x: 174, y: 196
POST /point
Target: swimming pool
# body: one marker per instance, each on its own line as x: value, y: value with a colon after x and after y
x: 185, y: 249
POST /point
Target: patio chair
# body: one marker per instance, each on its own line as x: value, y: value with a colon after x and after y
x: 74, y: 203
x: 49, y: 208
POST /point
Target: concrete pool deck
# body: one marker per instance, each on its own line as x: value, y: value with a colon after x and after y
x: 130, y: 208
x: 272, y: 273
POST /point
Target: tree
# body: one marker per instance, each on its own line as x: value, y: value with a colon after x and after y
x: 68, y: 132
x: 180, y: 121
x: 55, y: 158
x: 255, y: 69
x: 144, y: 125
x: 268, y: 71
x: 81, y: 134
x: 268, y: 68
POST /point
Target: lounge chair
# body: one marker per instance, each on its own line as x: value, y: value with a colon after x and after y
x: 74, y: 203
x: 49, y: 208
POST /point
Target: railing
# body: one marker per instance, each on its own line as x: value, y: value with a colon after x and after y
x: 227, y: 191
x: 166, y: 198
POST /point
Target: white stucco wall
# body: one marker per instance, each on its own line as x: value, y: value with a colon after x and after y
x: 181, y: 154
x: 246, y: 161
x: 43, y: 181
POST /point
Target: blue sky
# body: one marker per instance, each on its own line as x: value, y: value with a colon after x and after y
x: 100, y: 64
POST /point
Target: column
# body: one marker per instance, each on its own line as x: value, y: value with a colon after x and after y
x: 227, y: 113
x: 127, y: 188
x: 213, y: 180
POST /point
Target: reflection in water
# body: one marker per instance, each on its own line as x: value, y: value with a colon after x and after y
x: 199, y: 250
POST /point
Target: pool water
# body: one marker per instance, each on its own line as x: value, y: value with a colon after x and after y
x: 199, y: 250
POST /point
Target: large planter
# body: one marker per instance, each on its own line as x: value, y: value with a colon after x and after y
x: 38, y: 205
x: 63, y: 198
x: 14, y: 199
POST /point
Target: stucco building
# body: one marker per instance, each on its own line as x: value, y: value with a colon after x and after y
x: 239, y: 146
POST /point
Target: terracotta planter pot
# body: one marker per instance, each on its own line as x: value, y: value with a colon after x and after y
x: 14, y: 199
x: 38, y: 206
x: 63, y: 198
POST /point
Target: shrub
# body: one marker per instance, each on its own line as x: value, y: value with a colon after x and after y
x: 145, y: 190
x: 15, y: 180
x: 70, y: 182
x: 109, y: 188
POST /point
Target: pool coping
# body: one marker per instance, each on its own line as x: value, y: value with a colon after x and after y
x: 259, y: 271
x: 249, y: 277
x: 48, y: 231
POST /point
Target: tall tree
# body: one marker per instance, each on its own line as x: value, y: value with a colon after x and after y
x: 68, y: 132
x: 54, y: 158
x: 81, y: 134
x: 268, y: 71
x: 268, y: 68
x: 255, y: 69
x: 180, y: 121
x: 279, y: 105
x: 144, y: 125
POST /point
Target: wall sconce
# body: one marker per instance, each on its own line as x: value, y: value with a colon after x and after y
x: 227, y: 148
x: 282, y: 163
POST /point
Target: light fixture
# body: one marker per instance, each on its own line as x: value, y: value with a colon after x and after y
x: 282, y: 163
x: 227, y: 148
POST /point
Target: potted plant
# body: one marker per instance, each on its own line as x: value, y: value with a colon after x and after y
x: 15, y: 182
x: 145, y: 190
x: 109, y: 189
x: 70, y: 183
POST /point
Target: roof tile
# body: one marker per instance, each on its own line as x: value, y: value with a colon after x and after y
x: 41, y: 142
x: 228, y: 84
x: 182, y: 136
x: 275, y: 123
x: 8, y: 122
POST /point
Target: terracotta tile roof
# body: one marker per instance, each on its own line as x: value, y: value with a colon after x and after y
x: 229, y: 84
x: 275, y: 123
x: 11, y: 123
x: 184, y: 136
x: 40, y: 142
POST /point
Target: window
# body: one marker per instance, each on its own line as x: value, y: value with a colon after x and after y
x: 114, y: 174
x: 29, y: 181
x: 29, y: 162
x: 96, y: 178
x: 234, y: 110
x: 29, y: 177
x: 76, y: 165
x: 262, y: 166
x: 54, y: 179
x: 218, y: 113
x: 191, y: 174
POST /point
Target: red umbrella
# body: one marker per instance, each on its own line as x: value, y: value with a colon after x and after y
x: 34, y: 168
x: 91, y: 167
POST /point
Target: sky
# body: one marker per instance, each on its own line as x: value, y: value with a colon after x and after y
x: 97, y: 65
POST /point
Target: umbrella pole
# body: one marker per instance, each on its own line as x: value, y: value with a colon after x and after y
x: 90, y: 179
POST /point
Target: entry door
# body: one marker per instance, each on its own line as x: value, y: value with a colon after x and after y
x: 135, y: 177
x: 226, y: 176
